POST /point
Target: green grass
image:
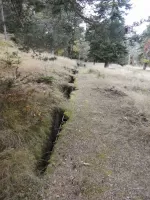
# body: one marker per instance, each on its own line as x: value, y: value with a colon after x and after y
x: 68, y: 114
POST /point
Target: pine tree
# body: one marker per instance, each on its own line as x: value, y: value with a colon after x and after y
x: 107, y: 36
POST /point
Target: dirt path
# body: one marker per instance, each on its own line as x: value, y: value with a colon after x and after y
x: 104, y: 151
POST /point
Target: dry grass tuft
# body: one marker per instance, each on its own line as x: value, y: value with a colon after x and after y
x: 11, y: 59
x: 46, y: 80
x: 17, y: 177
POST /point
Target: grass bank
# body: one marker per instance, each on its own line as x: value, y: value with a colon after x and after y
x: 29, y: 93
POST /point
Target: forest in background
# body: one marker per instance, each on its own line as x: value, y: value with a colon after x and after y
x: 56, y: 26
x: 59, y: 27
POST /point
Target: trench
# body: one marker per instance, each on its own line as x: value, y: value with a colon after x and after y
x: 67, y: 90
x: 59, y: 119
x: 74, y: 71
x: 72, y: 79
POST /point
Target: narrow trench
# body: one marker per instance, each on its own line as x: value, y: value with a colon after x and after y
x: 72, y: 79
x: 74, y: 71
x: 59, y: 119
x: 67, y: 90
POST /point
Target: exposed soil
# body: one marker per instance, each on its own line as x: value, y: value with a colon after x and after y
x: 103, y: 152
x: 59, y: 119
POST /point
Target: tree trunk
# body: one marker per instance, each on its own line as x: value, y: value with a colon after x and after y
x: 145, y: 66
x: 3, y: 19
x: 69, y: 51
x: 106, y: 64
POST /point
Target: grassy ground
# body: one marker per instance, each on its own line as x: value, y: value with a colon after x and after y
x: 30, y: 89
x: 103, y: 153
x: 103, y: 150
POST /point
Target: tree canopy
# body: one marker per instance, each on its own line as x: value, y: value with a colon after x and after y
x: 107, y: 38
x: 54, y: 25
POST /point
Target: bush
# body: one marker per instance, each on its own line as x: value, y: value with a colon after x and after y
x: 6, y: 84
x: 45, y: 59
x: 12, y: 59
x: 52, y: 58
x: 145, y: 61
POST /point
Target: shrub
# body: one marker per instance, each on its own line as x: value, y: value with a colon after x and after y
x: 52, y: 58
x: 6, y: 84
x: 46, y: 80
x: 145, y: 61
x: 12, y: 59
x: 45, y: 59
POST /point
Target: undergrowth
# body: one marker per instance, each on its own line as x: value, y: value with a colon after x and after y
x: 46, y: 79
x: 24, y: 127
x: 18, y: 141
x: 25, y: 121
x: 11, y: 59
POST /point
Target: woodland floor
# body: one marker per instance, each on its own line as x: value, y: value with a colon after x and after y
x: 103, y: 152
